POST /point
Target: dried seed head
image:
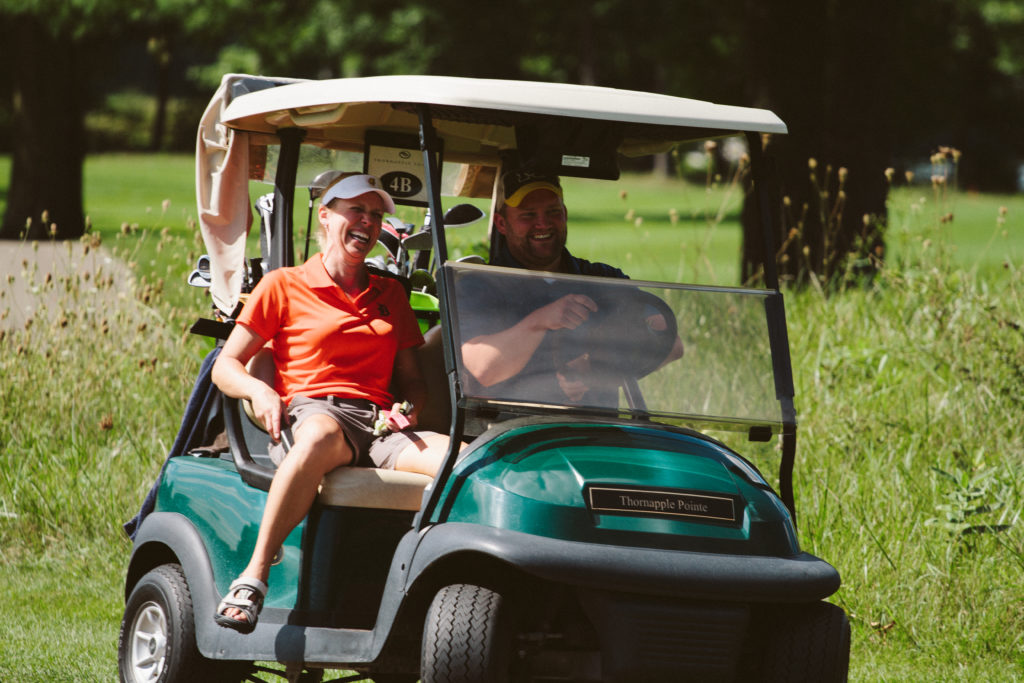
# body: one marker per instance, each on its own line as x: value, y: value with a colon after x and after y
x: 812, y: 163
x: 889, y: 173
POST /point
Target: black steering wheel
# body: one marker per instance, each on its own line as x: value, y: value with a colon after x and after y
x: 630, y: 335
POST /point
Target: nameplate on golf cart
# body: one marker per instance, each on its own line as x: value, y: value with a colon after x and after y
x: 625, y: 500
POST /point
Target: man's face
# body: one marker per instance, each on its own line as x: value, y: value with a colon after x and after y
x: 535, y: 230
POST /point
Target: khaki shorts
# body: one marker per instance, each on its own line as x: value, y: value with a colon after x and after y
x: 356, y: 418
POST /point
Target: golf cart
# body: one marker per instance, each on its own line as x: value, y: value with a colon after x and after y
x: 596, y: 537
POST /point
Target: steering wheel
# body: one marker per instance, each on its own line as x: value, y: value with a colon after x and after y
x: 630, y: 335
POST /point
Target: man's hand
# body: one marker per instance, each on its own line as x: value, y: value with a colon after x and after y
x: 572, y: 377
x: 566, y: 313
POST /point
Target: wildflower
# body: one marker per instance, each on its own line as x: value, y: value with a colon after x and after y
x: 673, y: 216
x: 623, y: 194
x: 166, y: 204
x: 125, y: 229
x: 909, y: 175
x: 638, y: 222
x: 812, y: 163
x: 843, y: 172
x: 45, y: 216
x: 889, y: 173
x: 53, y: 229
x: 630, y: 215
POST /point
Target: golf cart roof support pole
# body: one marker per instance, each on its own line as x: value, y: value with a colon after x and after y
x: 281, y: 252
x: 428, y: 144
x: 775, y: 311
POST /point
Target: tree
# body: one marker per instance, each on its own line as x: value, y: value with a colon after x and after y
x: 825, y: 69
x: 52, y: 45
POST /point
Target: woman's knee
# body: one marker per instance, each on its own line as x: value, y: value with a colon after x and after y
x: 321, y: 439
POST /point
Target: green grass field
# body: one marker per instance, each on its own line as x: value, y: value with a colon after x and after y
x: 911, y: 445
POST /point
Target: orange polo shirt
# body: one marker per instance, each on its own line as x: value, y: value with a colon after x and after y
x: 325, y: 343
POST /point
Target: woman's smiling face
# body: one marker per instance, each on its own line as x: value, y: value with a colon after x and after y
x: 352, y: 226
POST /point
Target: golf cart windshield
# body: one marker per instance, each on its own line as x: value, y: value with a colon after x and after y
x: 624, y: 359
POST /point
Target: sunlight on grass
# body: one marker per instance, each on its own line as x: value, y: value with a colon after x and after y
x: 909, y: 390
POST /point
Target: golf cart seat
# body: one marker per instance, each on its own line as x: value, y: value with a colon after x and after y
x: 436, y: 413
x: 351, y: 487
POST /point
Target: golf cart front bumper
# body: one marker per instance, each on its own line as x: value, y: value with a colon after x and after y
x: 655, y: 572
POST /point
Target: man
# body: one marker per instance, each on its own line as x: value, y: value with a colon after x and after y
x: 509, y: 351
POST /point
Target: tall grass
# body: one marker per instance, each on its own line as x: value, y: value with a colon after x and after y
x: 909, y: 464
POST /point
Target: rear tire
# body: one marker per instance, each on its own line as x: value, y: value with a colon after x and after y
x: 157, y: 641
x: 808, y: 643
x: 467, y: 637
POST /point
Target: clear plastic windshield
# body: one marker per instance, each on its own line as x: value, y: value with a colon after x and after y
x: 529, y: 342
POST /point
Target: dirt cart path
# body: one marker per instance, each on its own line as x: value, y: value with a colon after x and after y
x: 35, y: 278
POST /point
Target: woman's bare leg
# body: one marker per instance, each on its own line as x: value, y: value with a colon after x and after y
x: 320, y: 446
x: 424, y: 454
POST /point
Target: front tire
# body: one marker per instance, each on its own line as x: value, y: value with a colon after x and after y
x: 467, y: 637
x: 157, y: 642
x: 809, y: 643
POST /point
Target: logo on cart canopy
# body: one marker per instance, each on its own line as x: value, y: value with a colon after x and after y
x: 624, y: 500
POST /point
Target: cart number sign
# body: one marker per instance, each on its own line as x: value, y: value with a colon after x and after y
x: 398, y: 162
x: 661, y: 503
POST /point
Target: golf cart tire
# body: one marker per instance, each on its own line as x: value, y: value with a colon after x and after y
x: 467, y: 637
x: 808, y: 643
x: 161, y: 601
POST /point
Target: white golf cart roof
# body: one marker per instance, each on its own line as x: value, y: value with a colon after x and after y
x: 338, y: 112
x: 476, y: 119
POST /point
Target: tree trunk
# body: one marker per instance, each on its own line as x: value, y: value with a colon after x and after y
x: 45, y: 192
x: 159, y: 49
x: 823, y: 69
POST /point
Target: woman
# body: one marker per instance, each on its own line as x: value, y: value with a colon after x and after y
x: 340, y: 338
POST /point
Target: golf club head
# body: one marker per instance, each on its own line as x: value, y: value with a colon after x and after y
x: 320, y: 183
x: 198, y: 278
x: 462, y: 215
x: 400, y: 226
x: 418, y: 241
x: 391, y: 240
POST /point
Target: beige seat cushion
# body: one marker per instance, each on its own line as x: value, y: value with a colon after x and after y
x: 368, y: 487
x: 436, y: 413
